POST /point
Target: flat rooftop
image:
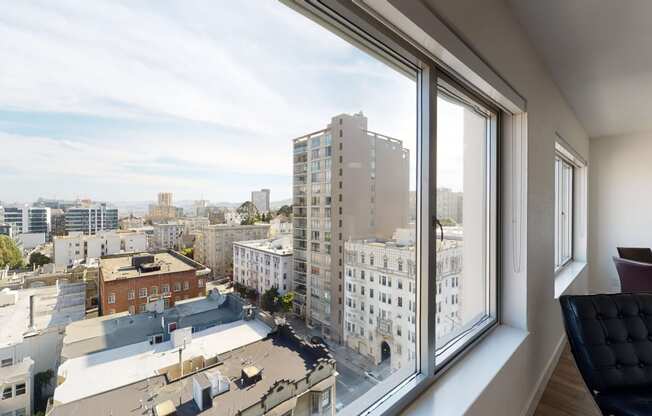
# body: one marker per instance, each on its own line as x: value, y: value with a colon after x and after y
x: 100, y: 372
x: 113, y: 331
x: 280, y: 246
x: 53, y: 307
x: 278, y: 356
x: 115, y: 267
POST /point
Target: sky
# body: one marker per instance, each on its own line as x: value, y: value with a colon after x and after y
x: 119, y: 100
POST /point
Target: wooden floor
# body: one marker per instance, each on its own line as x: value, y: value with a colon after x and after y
x: 566, y: 394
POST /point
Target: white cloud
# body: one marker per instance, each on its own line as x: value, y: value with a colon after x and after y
x: 253, y: 67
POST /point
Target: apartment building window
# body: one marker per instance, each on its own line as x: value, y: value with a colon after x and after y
x: 165, y: 288
x: 7, y: 393
x: 20, y: 389
x: 111, y: 298
x: 564, y: 196
x: 142, y: 292
x: 6, y: 362
x: 154, y: 290
x: 186, y: 285
x: 177, y: 287
x: 131, y: 294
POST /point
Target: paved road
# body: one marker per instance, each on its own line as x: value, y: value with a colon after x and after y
x: 350, y: 385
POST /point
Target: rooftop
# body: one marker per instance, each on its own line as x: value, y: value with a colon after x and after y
x: 119, y: 266
x: 88, y: 375
x: 281, y: 246
x: 53, y: 307
x: 119, y: 330
x: 280, y: 356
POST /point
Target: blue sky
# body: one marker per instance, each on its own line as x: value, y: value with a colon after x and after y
x: 120, y: 100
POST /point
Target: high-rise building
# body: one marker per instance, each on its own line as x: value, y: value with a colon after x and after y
x: 58, y: 222
x: 260, y: 199
x: 168, y: 235
x: 348, y: 183
x: 450, y: 205
x: 27, y: 219
x: 164, y: 210
x: 78, y: 248
x: 165, y: 198
x: 90, y: 220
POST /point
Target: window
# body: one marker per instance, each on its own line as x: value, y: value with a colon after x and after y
x: 466, y: 204
x: 7, y: 393
x: 6, y: 362
x: 564, y: 174
x: 111, y: 298
x: 291, y: 97
x: 20, y: 389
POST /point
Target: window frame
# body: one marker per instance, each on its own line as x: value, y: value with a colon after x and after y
x: 564, y: 236
x: 362, y: 27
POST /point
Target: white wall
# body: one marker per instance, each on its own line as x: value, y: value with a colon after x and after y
x: 491, y: 30
x: 620, y: 202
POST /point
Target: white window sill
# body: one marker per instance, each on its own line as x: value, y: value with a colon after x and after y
x: 567, y: 275
x: 456, y: 391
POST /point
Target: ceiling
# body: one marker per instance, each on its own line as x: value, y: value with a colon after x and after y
x: 599, y: 53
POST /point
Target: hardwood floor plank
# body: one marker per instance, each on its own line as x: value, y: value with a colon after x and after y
x: 566, y: 394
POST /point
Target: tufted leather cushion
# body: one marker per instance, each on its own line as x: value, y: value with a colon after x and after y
x: 611, y: 340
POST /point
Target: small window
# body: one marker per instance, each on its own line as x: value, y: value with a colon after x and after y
x: 20, y: 389
x: 6, y: 362
x: 142, y: 292
x: 131, y: 294
x: 7, y: 393
x: 564, y: 173
x: 111, y: 298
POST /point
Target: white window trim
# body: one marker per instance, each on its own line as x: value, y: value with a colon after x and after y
x: 571, y: 270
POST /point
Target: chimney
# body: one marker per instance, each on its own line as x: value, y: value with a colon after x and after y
x: 31, y: 311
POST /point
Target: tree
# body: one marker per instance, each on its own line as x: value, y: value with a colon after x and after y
x: 38, y: 259
x: 249, y: 213
x: 10, y: 253
x: 285, y: 210
x: 286, y: 302
x: 270, y: 300
x: 188, y: 252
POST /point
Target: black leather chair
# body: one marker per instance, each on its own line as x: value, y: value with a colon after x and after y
x: 611, y: 339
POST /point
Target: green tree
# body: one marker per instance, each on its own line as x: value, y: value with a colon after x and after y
x: 286, y: 301
x: 38, y: 259
x: 285, y: 210
x: 269, y: 301
x: 188, y: 252
x: 10, y: 253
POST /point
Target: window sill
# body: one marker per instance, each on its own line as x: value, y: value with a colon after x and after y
x: 462, y: 384
x: 567, y: 275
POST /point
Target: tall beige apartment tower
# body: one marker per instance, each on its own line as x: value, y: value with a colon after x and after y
x: 348, y: 183
x: 165, y: 198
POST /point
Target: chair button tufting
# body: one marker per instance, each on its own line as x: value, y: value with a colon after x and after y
x: 629, y: 339
x: 641, y: 365
x: 618, y: 366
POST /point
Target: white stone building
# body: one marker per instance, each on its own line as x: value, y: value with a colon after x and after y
x: 279, y: 226
x: 31, y: 336
x: 232, y: 217
x: 192, y: 224
x: 380, y: 293
x: 214, y: 245
x: 168, y: 236
x: 263, y: 264
x: 78, y: 248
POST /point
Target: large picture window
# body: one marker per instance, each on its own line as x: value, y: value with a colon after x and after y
x: 378, y: 169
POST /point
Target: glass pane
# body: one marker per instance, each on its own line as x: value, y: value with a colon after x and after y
x: 462, y: 264
x: 275, y: 154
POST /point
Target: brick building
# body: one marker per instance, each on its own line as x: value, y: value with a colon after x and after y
x: 128, y: 282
